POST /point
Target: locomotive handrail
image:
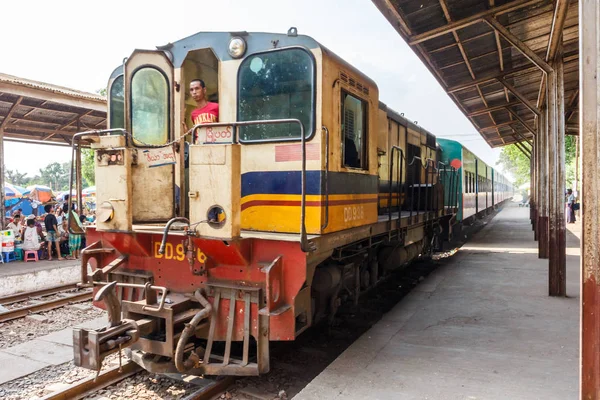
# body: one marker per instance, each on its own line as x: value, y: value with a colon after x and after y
x: 326, y: 178
x: 400, y: 152
x: 412, y: 194
x: 304, y: 244
x: 77, y: 137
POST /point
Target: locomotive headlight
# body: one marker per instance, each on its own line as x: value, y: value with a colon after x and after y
x: 237, y: 47
x: 216, y: 216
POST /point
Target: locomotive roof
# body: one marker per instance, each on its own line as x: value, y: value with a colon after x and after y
x: 256, y: 42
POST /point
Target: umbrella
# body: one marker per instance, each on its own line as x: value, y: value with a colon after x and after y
x: 13, y: 191
x: 40, y: 193
x: 90, y: 191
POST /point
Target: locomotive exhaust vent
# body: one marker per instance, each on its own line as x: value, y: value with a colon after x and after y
x: 352, y: 82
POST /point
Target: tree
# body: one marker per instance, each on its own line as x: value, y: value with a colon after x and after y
x: 87, y: 167
x: 55, y: 175
x: 15, y: 177
x: 515, y: 163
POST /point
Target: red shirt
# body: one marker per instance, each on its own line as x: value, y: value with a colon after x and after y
x: 207, y: 114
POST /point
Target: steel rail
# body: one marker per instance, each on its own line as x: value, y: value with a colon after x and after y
x: 15, y: 298
x: 44, y: 306
x: 92, y: 384
x: 211, y: 390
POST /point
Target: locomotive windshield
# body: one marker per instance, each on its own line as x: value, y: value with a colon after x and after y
x: 275, y: 85
x: 149, y: 106
x: 117, y: 103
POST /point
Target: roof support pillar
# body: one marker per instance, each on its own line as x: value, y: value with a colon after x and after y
x: 543, y: 186
x: 78, y: 180
x: 557, y: 260
x: 560, y: 271
x: 532, y: 188
x: 2, y: 126
x: 589, y: 103
x: 2, y: 209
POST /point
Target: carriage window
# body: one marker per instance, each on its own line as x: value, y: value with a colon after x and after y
x: 149, y: 107
x: 275, y: 85
x: 354, y: 123
x: 117, y: 103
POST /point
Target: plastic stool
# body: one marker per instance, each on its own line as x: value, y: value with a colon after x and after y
x: 18, y: 254
x: 26, y: 257
x: 8, y: 257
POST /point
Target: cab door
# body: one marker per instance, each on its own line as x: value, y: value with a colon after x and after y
x: 149, y: 120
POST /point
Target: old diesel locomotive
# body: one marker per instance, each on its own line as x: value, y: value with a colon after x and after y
x: 213, y: 241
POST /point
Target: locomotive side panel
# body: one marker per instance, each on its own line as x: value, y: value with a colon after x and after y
x: 350, y: 114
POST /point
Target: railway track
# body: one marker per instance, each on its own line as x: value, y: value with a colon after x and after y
x: 114, y: 375
x: 57, y: 301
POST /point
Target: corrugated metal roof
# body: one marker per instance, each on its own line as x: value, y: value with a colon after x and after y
x: 494, y: 83
x: 15, y: 80
x: 41, y: 112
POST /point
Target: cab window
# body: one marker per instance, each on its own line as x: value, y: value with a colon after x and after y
x: 117, y: 103
x: 149, y: 107
x: 354, y: 124
x: 276, y: 85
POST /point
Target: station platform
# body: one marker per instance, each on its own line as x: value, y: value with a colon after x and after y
x: 19, y: 276
x: 481, y: 326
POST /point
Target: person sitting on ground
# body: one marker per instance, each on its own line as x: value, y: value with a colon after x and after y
x: 31, y: 239
x: 52, y: 232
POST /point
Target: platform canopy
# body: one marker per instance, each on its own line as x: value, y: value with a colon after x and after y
x: 492, y: 56
x: 37, y: 112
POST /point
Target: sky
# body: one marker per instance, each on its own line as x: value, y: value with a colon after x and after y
x: 78, y: 44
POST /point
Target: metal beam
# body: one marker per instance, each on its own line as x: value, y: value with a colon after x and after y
x: 516, y: 42
x: 589, y: 104
x: 492, y: 108
x: 561, y: 7
x: 72, y: 121
x: 11, y: 111
x: 4, y: 122
x: 473, y: 19
x: 38, y: 130
x: 507, y: 123
x: 520, y: 96
x: 501, y: 75
x: 521, y: 146
x: 394, y: 17
x: 521, y: 120
x: 556, y: 33
x: 523, y: 138
x: 572, y: 106
x: 522, y: 150
x: 457, y: 39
